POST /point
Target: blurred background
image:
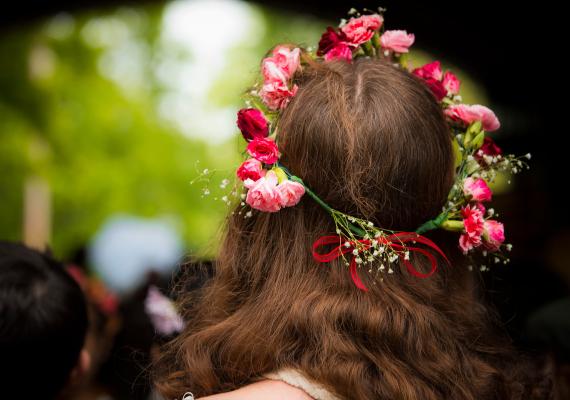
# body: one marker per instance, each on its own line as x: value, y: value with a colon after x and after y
x: 110, y: 111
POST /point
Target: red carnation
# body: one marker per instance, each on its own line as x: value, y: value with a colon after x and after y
x: 329, y: 40
x: 437, y: 88
x: 252, y: 124
x: 264, y: 150
x: 490, y: 148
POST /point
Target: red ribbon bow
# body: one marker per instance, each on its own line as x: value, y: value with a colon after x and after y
x: 396, y: 241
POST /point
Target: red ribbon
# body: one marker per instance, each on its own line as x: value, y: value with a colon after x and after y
x: 396, y: 241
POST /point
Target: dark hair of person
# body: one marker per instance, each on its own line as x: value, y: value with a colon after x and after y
x: 43, y: 323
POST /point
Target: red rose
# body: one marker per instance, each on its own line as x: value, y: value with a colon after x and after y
x: 264, y: 150
x: 329, y: 40
x: 252, y: 124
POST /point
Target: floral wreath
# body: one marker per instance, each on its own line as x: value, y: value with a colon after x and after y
x: 271, y: 186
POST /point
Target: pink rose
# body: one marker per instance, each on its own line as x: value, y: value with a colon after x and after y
x: 281, y: 65
x: 470, y: 113
x: 341, y: 52
x: 430, y: 71
x: 451, y: 83
x: 398, y: 41
x: 263, y: 195
x: 473, y: 223
x: 250, y: 169
x: 252, y: 123
x: 276, y: 95
x: 291, y: 192
x: 494, y: 234
x: 264, y: 150
x: 329, y: 40
x: 361, y: 29
x: 477, y: 189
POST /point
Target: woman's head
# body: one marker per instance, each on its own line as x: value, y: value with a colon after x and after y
x: 371, y: 140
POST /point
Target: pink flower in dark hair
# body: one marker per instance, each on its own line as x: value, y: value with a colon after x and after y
x: 473, y: 223
x: 469, y: 113
x: 341, y: 52
x: 291, y: 193
x: 451, y: 83
x: 252, y: 123
x: 361, y: 29
x: 430, y: 71
x: 477, y: 189
x: 276, y: 95
x: 264, y: 150
x: 250, y: 169
x: 162, y: 313
x: 397, y: 40
x: 330, y: 39
x: 264, y: 195
x: 493, y: 235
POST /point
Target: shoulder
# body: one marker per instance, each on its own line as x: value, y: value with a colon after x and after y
x: 267, y: 389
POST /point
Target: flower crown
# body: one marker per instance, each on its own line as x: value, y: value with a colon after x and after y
x: 271, y: 186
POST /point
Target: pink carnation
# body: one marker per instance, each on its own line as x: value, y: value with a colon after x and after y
x: 494, y: 234
x: 430, y: 71
x: 250, y: 169
x: 398, y: 41
x: 291, y: 192
x: 451, y: 83
x: 272, y: 73
x: 252, y: 123
x: 264, y: 150
x: 281, y: 65
x: 361, y: 29
x: 477, y: 189
x: 264, y: 195
x: 276, y: 95
x: 341, y: 52
x: 473, y: 223
x: 470, y: 113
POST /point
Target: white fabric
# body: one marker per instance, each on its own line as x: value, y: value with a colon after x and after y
x: 297, y: 379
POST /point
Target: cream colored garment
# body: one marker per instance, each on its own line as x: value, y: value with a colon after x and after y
x: 295, y: 378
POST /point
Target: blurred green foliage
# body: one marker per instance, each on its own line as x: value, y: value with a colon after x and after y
x: 102, y: 146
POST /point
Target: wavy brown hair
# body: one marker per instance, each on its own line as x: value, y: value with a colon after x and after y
x: 371, y: 140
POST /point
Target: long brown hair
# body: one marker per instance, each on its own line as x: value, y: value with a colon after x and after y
x: 371, y: 140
